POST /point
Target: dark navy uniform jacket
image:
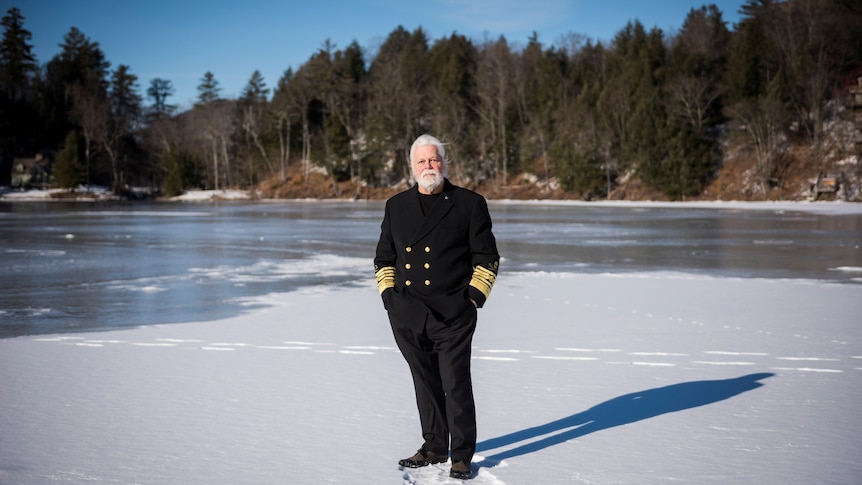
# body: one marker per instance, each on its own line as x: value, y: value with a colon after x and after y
x: 435, y: 263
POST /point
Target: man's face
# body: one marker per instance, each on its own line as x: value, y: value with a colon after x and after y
x: 429, y: 168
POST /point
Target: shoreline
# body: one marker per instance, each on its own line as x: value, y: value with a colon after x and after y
x: 239, y: 196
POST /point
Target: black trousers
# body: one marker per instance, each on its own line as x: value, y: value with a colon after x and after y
x: 439, y: 358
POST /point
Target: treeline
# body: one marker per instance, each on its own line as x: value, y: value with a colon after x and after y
x: 648, y: 105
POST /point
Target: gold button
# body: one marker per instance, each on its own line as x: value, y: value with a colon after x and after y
x: 427, y: 265
x: 427, y: 249
x: 407, y: 283
x: 427, y: 282
x: 407, y: 266
x: 409, y: 249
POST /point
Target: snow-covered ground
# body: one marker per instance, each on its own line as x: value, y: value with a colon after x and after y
x: 83, y: 193
x: 100, y: 193
x: 207, y: 195
x: 592, y: 379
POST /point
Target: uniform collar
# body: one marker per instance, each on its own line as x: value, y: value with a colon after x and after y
x: 438, y: 210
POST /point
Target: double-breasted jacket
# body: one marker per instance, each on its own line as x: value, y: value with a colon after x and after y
x: 435, y: 263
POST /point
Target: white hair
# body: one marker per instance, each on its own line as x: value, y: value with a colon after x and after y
x: 426, y: 139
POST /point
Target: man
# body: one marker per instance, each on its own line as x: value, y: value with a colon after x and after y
x: 435, y: 264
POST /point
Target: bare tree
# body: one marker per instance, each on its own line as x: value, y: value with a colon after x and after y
x: 215, y: 126
x: 253, y: 106
x: 495, y: 92
x: 283, y: 112
x: 215, y: 121
x: 92, y: 113
x: 350, y: 103
x: 764, y: 121
x: 805, y: 37
x: 299, y: 96
x: 693, y: 96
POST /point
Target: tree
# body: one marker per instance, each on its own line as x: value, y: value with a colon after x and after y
x: 79, y: 71
x: 697, y: 59
x: 578, y: 167
x: 180, y: 168
x: 398, y: 96
x: 764, y: 123
x: 92, y: 114
x: 686, y: 162
x: 453, y: 89
x: 160, y: 90
x: 540, y: 75
x: 751, y: 64
x: 18, y: 70
x: 594, y: 71
x: 17, y: 63
x: 208, y: 90
x: 160, y: 139
x: 284, y: 113
x: 582, y: 150
x: 495, y: 93
x: 215, y: 125
x: 332, y: 141
x: 299, y: 95
x: 756, y: 88
x: 642, y: 59
x: 68, y: 170
x: 350, y: 105
x: 811, y: 39
x: 124, y: 114
x: 253, y: 106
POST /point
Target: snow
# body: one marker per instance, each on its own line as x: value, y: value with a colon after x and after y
x: 102, y: 193
x: 579, y: 378
x: 28, y: 194
x: 82, y: 193
x: 821, y: 207
x: 207, y: 195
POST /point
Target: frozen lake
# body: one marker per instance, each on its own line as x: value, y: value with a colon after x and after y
x: 83, y: 267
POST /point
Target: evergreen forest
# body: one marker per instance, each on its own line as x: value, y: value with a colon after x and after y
x: 578, y: 117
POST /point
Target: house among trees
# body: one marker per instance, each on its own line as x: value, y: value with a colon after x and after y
x: 32, y: 172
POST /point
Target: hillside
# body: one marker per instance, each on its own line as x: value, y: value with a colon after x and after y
x: 734, y: 181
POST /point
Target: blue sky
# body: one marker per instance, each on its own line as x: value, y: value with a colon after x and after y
x: 180, y: 40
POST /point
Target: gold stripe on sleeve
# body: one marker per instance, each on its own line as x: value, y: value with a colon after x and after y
x: 385, y: 278
x: 483, y: 280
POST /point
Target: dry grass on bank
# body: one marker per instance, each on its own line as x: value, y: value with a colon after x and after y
x: 735, y: 181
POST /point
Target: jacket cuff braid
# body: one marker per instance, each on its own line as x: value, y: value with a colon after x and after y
x: 385, y: 278
x: 483, y: 280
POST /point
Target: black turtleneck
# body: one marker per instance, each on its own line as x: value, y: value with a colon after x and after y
x: 426, y: 201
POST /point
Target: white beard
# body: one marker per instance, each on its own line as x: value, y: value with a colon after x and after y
x: 430, y: 179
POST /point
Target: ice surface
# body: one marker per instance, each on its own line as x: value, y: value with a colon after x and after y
x: 579, y: 378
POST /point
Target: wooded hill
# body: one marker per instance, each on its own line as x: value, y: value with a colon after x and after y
x: 757, y: 110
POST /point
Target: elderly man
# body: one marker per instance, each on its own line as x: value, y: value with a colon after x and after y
x: 435, y: 264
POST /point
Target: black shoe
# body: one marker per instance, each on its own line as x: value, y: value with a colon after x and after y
x: 460, y: 470
x: 423, y: 457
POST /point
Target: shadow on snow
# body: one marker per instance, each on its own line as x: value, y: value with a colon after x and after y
x: 621, y: 410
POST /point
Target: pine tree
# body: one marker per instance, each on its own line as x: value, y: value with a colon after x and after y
x: 68, y: 170
x: 160, y: 90
x: 124, y: 116
x: 80, y: 67
x: 19, y: 123
x: 17, y: 63
x: 208, y: 90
